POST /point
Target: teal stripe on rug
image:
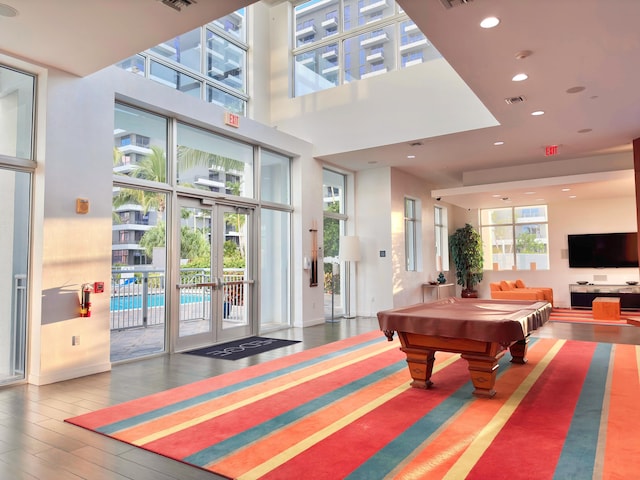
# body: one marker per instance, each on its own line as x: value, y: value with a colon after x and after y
x: 579, y: 451
x: 113, y: 428
x: 221, y: 449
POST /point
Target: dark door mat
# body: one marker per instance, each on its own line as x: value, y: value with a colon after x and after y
x: 242, y: 348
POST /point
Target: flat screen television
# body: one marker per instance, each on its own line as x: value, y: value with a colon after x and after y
x: 603, y: 250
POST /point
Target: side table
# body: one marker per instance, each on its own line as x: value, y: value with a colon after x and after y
x: 442, y: 290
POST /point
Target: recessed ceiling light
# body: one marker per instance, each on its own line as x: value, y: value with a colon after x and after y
x: 372, y: 162
x: 572, y: 196
x: 497, y: 195
x: 490, y: 22
x: 529, y: 193
x: 500, y: 142
x: 7, y: 11
x: 411, y: 156
x: 520, y: 77
x: 537, y: 113
x: 566, y: 189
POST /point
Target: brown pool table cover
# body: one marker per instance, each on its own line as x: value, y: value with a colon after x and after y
x: 503, y: 321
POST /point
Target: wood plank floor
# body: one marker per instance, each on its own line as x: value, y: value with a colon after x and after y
x: 35, y: 443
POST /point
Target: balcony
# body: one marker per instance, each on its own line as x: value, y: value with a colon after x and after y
x: 303, y: 32
x: 374, y: 73
x: 331, y: 69
x: 330, y: 23
x: 131, y: 149
x: 330, y: 55
x: 373, y: 7
x: 375, y: 57
x: 416, y: 45
x: 375, y: 40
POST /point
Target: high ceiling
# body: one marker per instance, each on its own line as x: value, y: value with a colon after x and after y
x: 591, y: 46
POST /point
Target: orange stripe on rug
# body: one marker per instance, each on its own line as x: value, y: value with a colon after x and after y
x: 621, y: 452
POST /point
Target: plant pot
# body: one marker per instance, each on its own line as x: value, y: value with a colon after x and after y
x: 469, y: 293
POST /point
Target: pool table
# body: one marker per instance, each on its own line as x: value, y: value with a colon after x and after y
x: 480, y: 330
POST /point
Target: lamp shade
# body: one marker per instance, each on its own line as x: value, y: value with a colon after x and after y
x: 349, y: 249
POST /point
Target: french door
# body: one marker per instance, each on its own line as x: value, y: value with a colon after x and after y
x: 214, y: 297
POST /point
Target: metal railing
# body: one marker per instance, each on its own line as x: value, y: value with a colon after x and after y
x: 138, y: 295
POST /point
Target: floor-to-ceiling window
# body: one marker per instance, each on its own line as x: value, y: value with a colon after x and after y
x: 275, y: 240
x: 17, y: 93
x: 334, y: 220
x: 139, y: 233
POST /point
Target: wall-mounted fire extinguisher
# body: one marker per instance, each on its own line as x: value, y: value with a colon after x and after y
x: 85, y: 302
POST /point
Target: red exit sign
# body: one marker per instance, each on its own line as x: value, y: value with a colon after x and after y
x: 550, y: 150
x: 231, y: 119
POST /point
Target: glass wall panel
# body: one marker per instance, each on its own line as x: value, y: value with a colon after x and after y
x: 316, y: 20
x: 139, y: 256
x: 317, y: 69
x: 175, y: 79
x: 215, y: 163
x: 333, y: 229
x: 226, y: 100
x: 184, y: 49
x: 413, y: 44
x: 275, y: 174
x: 368, y: 54
x: 140, y: 144
x: 363, y: 12
x: 17, y: 92
x: 226, y: 62
x: 15, y: 217
x: 333, y: 188
x: 233, y: 24
x: 134, y: 64
x: 275, y: 245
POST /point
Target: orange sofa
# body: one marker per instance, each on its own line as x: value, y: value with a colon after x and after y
x: 510, y: 290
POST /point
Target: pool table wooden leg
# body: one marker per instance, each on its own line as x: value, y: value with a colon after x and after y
x: 483, y: 370
x: 420, y: 366
x: 519, y: 351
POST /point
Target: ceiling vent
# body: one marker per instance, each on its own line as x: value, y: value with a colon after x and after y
x: 514, y: 100
x: 454, y: 3
x: 178, y: 4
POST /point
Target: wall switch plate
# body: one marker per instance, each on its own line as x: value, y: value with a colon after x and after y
x: 75, y: 340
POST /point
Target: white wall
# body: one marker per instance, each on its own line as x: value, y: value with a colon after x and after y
x: 374, y: 226
x: 384, y: 282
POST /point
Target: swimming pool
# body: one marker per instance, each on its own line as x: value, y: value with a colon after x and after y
x: 130, y: 302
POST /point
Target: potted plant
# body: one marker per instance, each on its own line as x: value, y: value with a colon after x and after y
x: 466, y: 251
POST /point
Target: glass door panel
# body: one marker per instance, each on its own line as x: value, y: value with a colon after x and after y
x: 215, y: 281
x: 237, y: 278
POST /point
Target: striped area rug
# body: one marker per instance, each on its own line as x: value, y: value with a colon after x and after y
x: 346, y: 411
x: 586, y: 316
